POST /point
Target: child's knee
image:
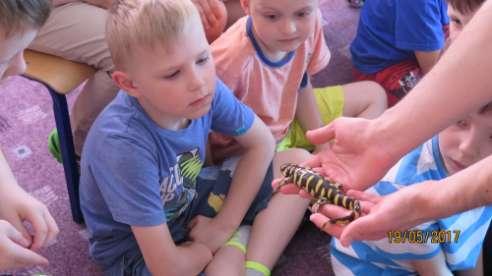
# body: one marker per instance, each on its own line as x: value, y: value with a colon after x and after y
x: 377, y: 94
x: 292, y: 155
x: 365, y: 99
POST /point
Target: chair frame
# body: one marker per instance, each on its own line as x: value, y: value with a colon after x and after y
x: 58, y: 88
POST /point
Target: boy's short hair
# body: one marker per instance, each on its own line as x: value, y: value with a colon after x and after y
x: 465, y: 6
x: 145, y: 23
x: 19, y: 15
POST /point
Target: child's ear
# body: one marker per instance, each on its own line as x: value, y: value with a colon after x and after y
x: 245, y: 6
x: 124, y: 82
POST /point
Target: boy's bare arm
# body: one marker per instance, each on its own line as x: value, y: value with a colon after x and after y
x: 163, y: 257
x: 307, y: 111
x: 258, y: 144
x: 259, y: 148
x: 427, y: 60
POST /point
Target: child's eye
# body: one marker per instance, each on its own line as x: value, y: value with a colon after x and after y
x: 462, y: 123
x: 172, y: 75
x: 202, y: 60
x: 303, y: 14
x: 456, y: 21
x: 271, y: 16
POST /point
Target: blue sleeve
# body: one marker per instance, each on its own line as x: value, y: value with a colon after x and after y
x: 419, y: 26
x: 128, y: 177
x: 229, y: 115
x: 467, y: 232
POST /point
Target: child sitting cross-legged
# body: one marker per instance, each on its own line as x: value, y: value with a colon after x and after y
x: 268, y: 58
x: 148, y: 205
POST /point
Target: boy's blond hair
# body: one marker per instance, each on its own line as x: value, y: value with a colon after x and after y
x: 145, y: 23
x: 20, y: 15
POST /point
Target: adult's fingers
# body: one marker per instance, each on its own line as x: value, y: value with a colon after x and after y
x: 289, y: 189
x: 367, y: 200
x: 203, y: 17
x: 322, y: 134
x: 293, y: 189
x: 209, y: 12
x: 314, y: 162
x: 360, y: 195
x: 363, y: 228
x: 324, y: 224
x: 276, y: 182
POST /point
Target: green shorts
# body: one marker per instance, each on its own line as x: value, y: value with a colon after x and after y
x: 330, y: 101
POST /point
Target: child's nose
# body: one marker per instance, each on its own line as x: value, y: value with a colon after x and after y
x: 469, y: 146
x: 195, y: 80
x: 288, y: 27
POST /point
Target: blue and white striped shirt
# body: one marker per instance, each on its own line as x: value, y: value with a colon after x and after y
x: 385, y: 258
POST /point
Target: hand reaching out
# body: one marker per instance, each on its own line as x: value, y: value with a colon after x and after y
x: 352, y: 156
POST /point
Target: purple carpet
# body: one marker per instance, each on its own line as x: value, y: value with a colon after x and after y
x: 26, y: 118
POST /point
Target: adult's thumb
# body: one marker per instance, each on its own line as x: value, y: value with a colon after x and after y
x: 321, y: 135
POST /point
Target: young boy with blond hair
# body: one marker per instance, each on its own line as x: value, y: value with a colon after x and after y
x: 20, y: 20
x: 149, y: 206
x: 267, y: 58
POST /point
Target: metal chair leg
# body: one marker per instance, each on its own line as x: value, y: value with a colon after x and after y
x: 62, y: 119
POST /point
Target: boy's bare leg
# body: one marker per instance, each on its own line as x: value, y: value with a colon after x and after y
x: 69, y: 34
x: 364, y: 99
x: 230, y: 259
x: 274, y: 227
x: 227, y: 261
x: 435, y: 266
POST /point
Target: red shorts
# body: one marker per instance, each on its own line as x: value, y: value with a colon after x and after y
x: 397, y: 79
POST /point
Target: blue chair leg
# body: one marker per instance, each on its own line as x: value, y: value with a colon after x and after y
x: 62, y: 119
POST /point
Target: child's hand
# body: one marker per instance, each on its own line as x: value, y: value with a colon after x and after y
x: 14, y: 250
x: 209, y: 232
x: 18, y: 206
x: 196, y: 256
